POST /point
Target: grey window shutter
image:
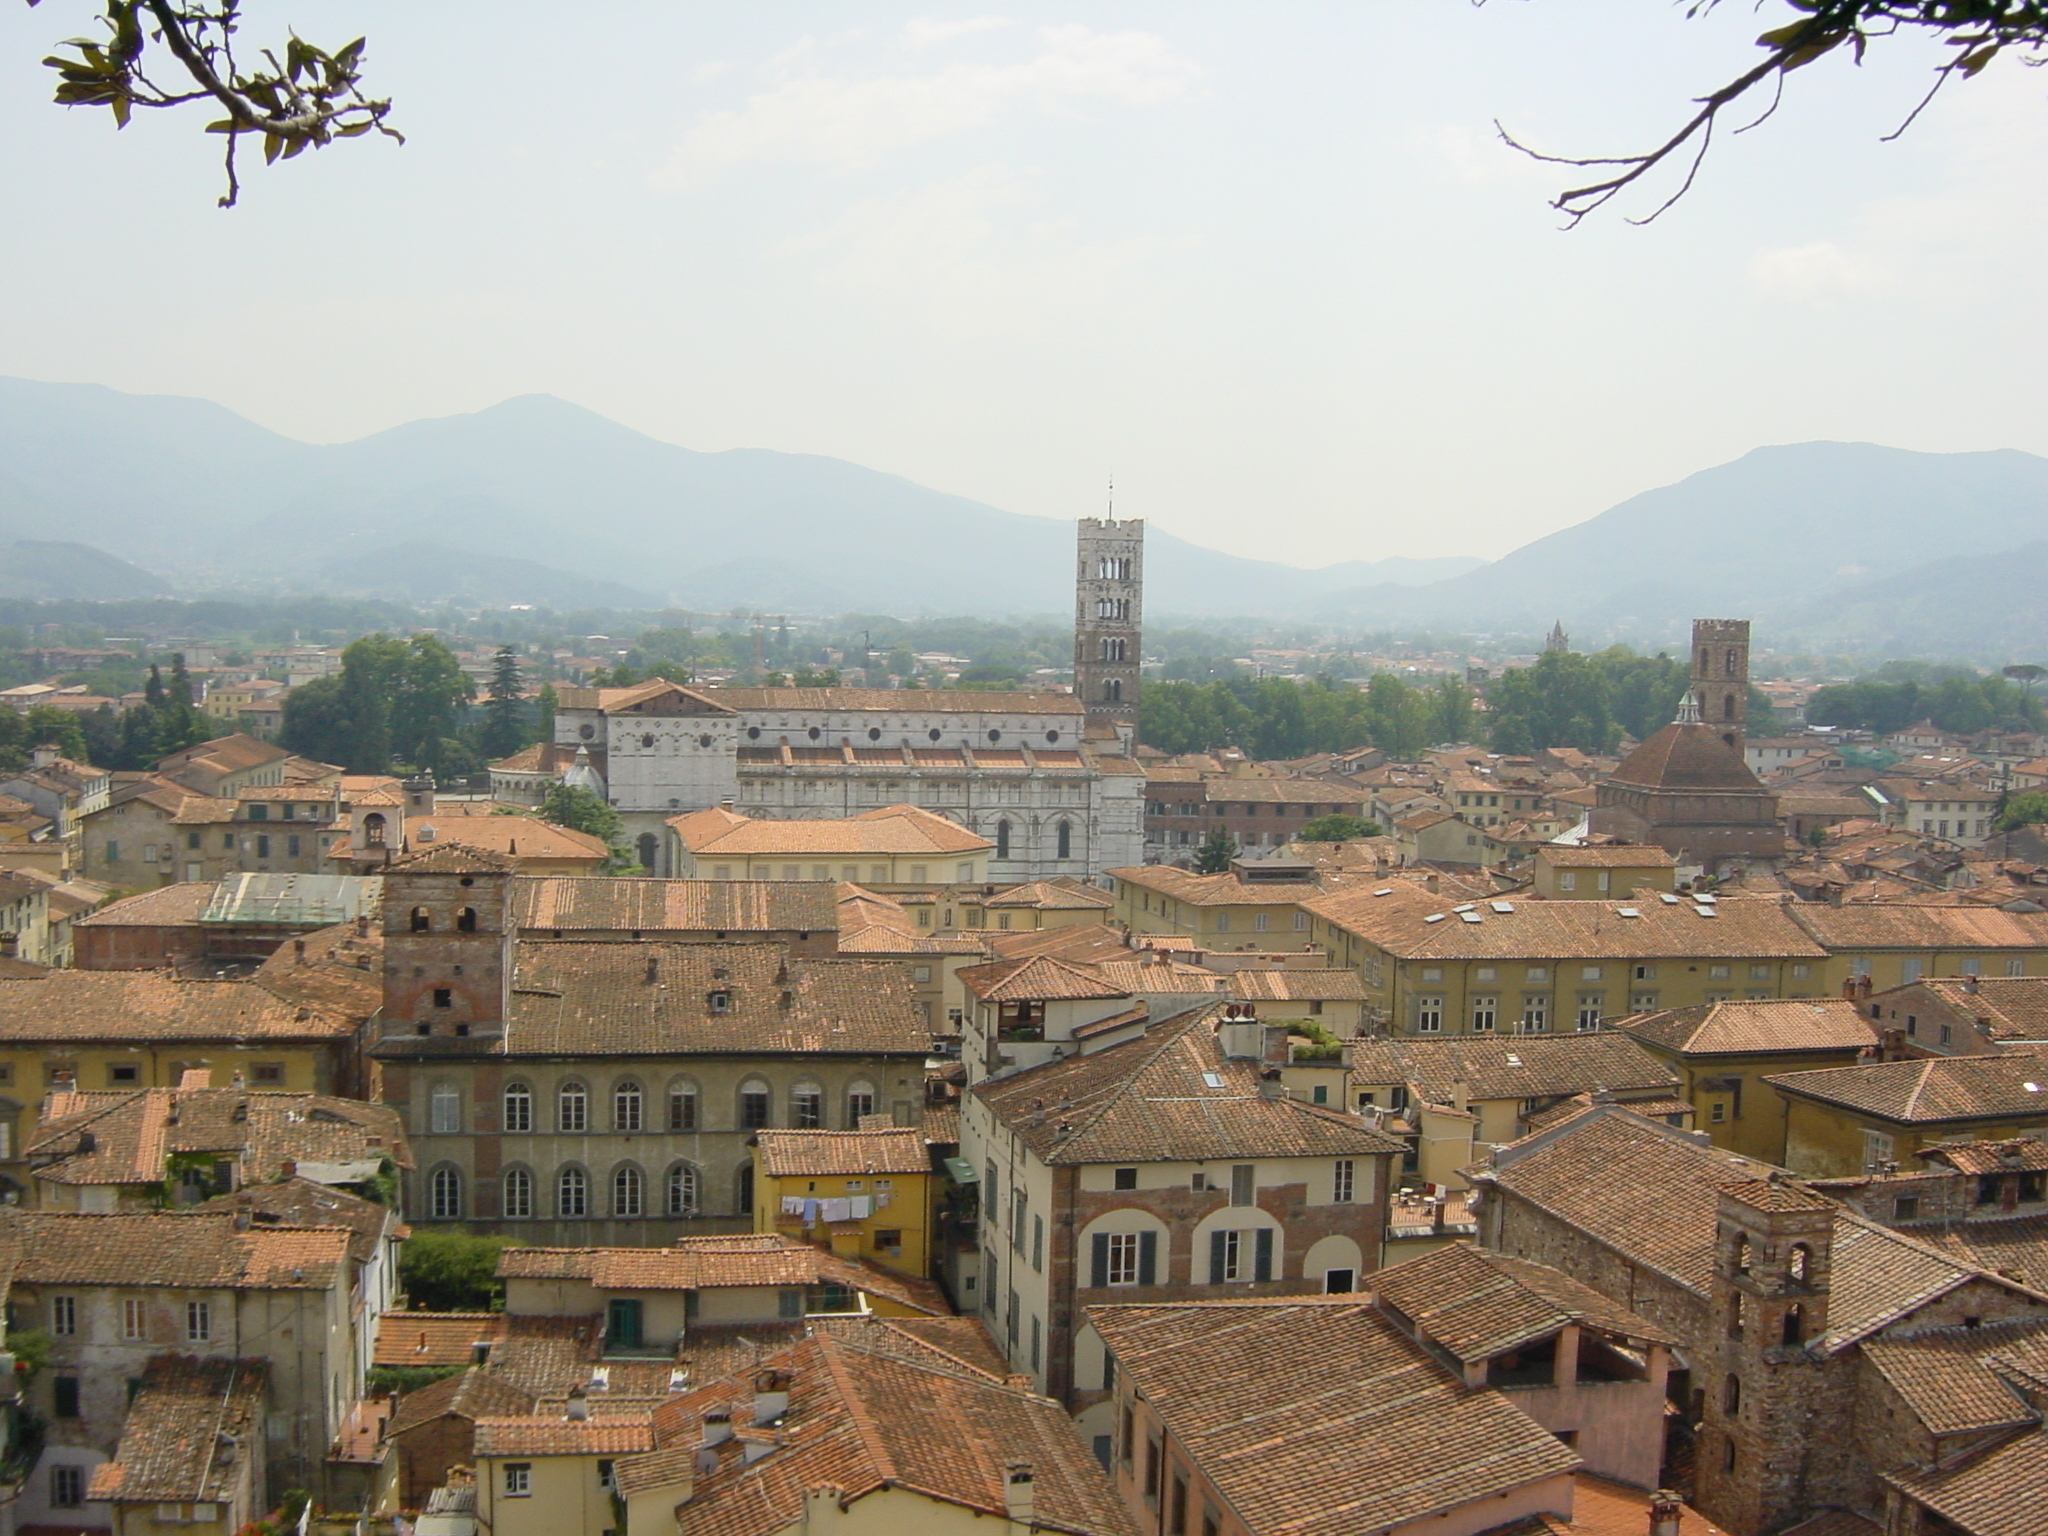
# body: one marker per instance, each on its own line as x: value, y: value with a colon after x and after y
x: 1098, y: 1259
x: 1262, y: 1255
x: 1148, y: 1256
x: 1216, y: 1257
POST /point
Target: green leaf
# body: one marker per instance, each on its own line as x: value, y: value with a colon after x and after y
x: 271, y: 145
x: 120, y: 105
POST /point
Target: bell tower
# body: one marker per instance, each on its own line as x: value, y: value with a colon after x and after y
x: 1720, y: 676
x: 1773, y: 1253
x: 448, y: 935
x: 1108, y: 610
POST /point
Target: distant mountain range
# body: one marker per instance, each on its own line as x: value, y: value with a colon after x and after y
x: 539, y: 501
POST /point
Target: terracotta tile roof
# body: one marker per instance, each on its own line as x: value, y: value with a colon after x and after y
x: 1896, y: 925
x: 557, y: 1436
x: 301, y: 1203
x: 1512, y: 1067
x: 194, y: 1251
x: 1750, y: 1028
x: 474, y: 1394
x: 1948, y: 1381
x: 576, y: 903
x: 793, y: 1154
x: 1151, y: 1099
x: 1605, y: 856
x: 164, y: 906
x: 1400, y: 923
x: 123, y: 1137
x: 863, y: 1418
x: 1685, y: 756
x: 1930, y: 1089
x: 1662, y: 1216
x: 1297, y: 986
x: 2016, y: 1007
x: 597, y: 999
x: 149, y: 1005
x: 2001, y: 1493
x: 1390, y: 1438
x: 184, y: 1426
x: 1052, y: 896
x: 1478, y: 1304
x: 455, y: 858
x: 434, y: 1338
x: 1216, y: 890
x: 892, y: 701
x: 708, y: 1263
x: 891, y: 829
x: 226, y: 754
x: 510, y: 838
x: 1040, y: 977
x: 947, y: 1342
x: 2018, y: 1152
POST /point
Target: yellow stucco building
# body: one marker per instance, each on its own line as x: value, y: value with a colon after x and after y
x: 864, y: 1194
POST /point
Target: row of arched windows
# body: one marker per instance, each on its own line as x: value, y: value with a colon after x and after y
x: 573, y: 1194
x: 626, y: 1110
x: 423, y: 920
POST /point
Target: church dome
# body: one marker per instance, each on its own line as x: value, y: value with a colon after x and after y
x: 1685, y: 755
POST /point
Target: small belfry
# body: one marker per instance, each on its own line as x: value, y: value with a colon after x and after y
x: 1108, y: 611
x: 1720, y: 676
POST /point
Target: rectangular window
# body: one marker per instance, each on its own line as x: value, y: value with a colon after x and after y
x: 1642, y: 1002
x: 198, y: 1322
x: 1801, y: 971
x: 754, y: 1109
x: 1341, y: 1184
x: 192, y: 840
x: 682, y: 1109
x: 1429, y: 1015
x: 1591, y: 1008
x: 263, y: 846
x: 1535, y: 1015
x: 67, y: 1487
x: 518, y: 1479
x: 444, y: 1110
x: 291, y: 846
x: 64, y: 1316
x: 1239, y: 1254
x: 1124, y: 1178
x: 1718, y: 1112
x: 1912, y: 969
x: 1243, y: 1181
x: 1485, y: 1010
x: 807, y: 1111
x: 1718, y: 972
x: 1038, y: 1242
x: 64, y: 1396
x: 1589, y: 973
x: 1759, y: 973
x: 134, y: 1318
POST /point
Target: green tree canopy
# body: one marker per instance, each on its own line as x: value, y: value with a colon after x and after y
x: 2029, y: 808
x: 1215, y: 854
x: 1336, y: 828
x: 451, y: 1271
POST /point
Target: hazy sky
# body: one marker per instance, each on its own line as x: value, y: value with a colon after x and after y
x: 1263, y: 261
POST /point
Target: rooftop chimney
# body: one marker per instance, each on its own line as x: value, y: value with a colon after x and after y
x: 298, y: 951
x: 1020, y: 1494
x: 1269, y: 1084
x: 1969, y: 984
x: 717, y: 1428
x: 1432, y: 882
x: 241, y: 1219
x: 771, y: 1397
x: 577, y: 1408
x: 1664, y: 1513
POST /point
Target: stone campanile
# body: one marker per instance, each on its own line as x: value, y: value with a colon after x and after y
x: 1720, y: 676
x: 1108, y: 607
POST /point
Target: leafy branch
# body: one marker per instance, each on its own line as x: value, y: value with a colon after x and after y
x: 305, y: 101
x: 1979, y: 29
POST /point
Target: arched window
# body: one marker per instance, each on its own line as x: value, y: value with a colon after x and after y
x: 629, y: 1191
x: 743, y: 1189
x: 572, y: 1192
x: 682, y: 1106
x: 753, y: 1104
x: 444, y: 1109
x: 647, y: 847
x: 806, y: 1105
x: 465, y: 920
x: 1799, y: 1263
x: 1728, y: 707
x: 626, y: 1106
x: 1731, y: 1395
x: 518, y: 1107
x: 860, y: 1100
x: 1794, y: 1331
x: 1113, y: 690
x: 373, y: 829
x: 1743, y: 1254
x: 1003, y: 839
x: 518, y: 1194
x: 1063, y: 840
x: 681, y: 1199
x: 572, y: 1108
x: 1733, y: 655
x: 421, y: 922
x: 444, y: 1194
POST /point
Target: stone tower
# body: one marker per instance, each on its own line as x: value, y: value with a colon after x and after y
x: 1773, y: 1252
x: 1720, y: 676
x: 448, y: 935
x: 1108, y: 608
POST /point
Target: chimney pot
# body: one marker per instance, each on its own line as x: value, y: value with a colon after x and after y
x: 577, y: 1408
